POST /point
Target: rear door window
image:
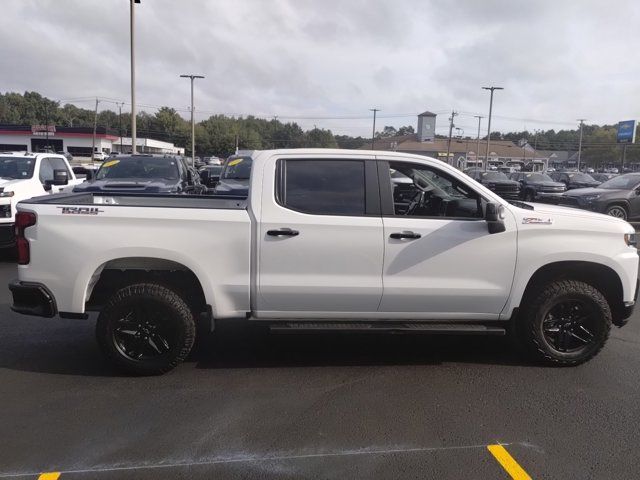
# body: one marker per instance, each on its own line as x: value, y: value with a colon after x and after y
x: 323, y: 187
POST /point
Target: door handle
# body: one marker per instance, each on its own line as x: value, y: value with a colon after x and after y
x: 405, y: 235
x: 282, y: 232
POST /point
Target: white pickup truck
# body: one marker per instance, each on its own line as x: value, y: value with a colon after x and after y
x: 24, y: 175
x: 327, y: 239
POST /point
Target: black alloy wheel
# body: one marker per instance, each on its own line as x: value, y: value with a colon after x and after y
x: 146, y: 329
x: 144, y: 332
x: 566, y: 323
x: 571, y: 325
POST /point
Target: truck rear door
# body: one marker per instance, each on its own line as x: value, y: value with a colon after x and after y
x: 320, y: 238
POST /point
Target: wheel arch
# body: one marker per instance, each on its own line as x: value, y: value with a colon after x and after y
x: 601, y: 277
x: 117, y: 273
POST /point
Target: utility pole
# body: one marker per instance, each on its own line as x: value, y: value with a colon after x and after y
x: 93, y: 138
x: 120, y: 104
x: 373, y: 134
x: 453, y: 114
x: 193, y: 124
x: 486, y: 164
x: 581, y: 120
x: 479, y: 117
x: 46, y: 119
x: 133, y: 77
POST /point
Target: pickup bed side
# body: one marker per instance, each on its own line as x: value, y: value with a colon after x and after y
x: 72, y: 248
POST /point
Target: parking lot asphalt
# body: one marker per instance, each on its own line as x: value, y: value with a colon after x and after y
x: 251, y: 405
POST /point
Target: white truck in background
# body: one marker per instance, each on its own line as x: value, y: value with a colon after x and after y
x: 24, y: 175
x: 327, y: 239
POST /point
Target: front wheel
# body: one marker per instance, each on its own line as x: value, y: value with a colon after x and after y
x: 566, y: 324
x: 617, y: 211
x: 146, y: 329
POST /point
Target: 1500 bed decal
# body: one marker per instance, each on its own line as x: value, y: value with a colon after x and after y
x: 80, y: 210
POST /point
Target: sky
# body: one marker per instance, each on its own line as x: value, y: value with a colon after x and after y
x: 327, y: 63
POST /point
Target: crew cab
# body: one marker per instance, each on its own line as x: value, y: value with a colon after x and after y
x: 324, y: 242
x: 144, y: 173
x: 24, y: 175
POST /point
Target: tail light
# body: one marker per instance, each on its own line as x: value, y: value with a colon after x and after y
x: 23, y: 220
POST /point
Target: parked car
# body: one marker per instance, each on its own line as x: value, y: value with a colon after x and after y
x: 618, y: 197
x: 611, y: 170
x: 603, y: 177
x: 536, y: 186
x: 210, y: 175
x: 85, y: 172
x: 234, y: 178
x: 99, y: 156
x: 212, y: 161
x: 24, y: 175
x: 320, y: 244
x: 497, y: 182
x: 575, y: 179
x: 144, y: 173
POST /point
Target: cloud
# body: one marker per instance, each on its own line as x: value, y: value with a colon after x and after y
x: 558, y: 61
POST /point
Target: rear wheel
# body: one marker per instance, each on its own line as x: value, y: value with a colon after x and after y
x: 617, y: 211
x: 146, y: 329
x: 566, y: 324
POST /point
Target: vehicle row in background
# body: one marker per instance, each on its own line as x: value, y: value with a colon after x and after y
x: 25, y: 175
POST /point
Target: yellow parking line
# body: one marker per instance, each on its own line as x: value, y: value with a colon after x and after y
x: 49, y: 476
x: 508, y: 462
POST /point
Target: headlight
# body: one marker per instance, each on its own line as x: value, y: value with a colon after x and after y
x: 631, y: 239
x: 590, y: 198
x: 6, y: 194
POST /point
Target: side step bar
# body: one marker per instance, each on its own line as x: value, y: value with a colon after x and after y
x: 359, y: 327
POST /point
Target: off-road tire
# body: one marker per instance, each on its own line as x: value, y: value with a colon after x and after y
x: 176, y: 314
x: 529, y: 324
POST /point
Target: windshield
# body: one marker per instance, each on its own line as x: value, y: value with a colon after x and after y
x: 237, y: 169
x: 581, y: 177
x: 494, y: 176
x: 151, y: 167
x: 623, y: 182
x: 538, y: 177
x: 16, y: 167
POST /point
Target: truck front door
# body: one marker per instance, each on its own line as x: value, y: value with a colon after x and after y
x: 440, y: 261
x: 320, y: 238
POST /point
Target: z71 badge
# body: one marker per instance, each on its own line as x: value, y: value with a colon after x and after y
x: 80, y: 210
x: 537, y: 220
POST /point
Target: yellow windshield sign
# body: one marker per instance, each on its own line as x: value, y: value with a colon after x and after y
x: 235, y: 162
x: 110, y: 163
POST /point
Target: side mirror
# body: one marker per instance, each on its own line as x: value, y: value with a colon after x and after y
x: 494, y: 215
x: 205, y: 177
x: 60, y: 177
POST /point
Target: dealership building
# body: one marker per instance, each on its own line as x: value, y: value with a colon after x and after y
x: 76, y: 140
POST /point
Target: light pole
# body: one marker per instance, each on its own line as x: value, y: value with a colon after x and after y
x: 453, y: 115
x: 133, y: 76
x: 479, y: 117
x: 486, y: 163
x: 373, y: 133
x: 193, y: 125
x: 120, y: 104
x: 581, y: 120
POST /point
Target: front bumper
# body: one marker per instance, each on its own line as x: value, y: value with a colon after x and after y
x: 621, y: 318
x: 7, y: 235
x: 32, y: 299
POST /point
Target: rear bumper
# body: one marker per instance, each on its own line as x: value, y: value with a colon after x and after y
x: 32, y: 299
x: 7, y: 235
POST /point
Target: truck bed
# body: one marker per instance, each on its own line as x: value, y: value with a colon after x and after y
x: 167, y: 200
